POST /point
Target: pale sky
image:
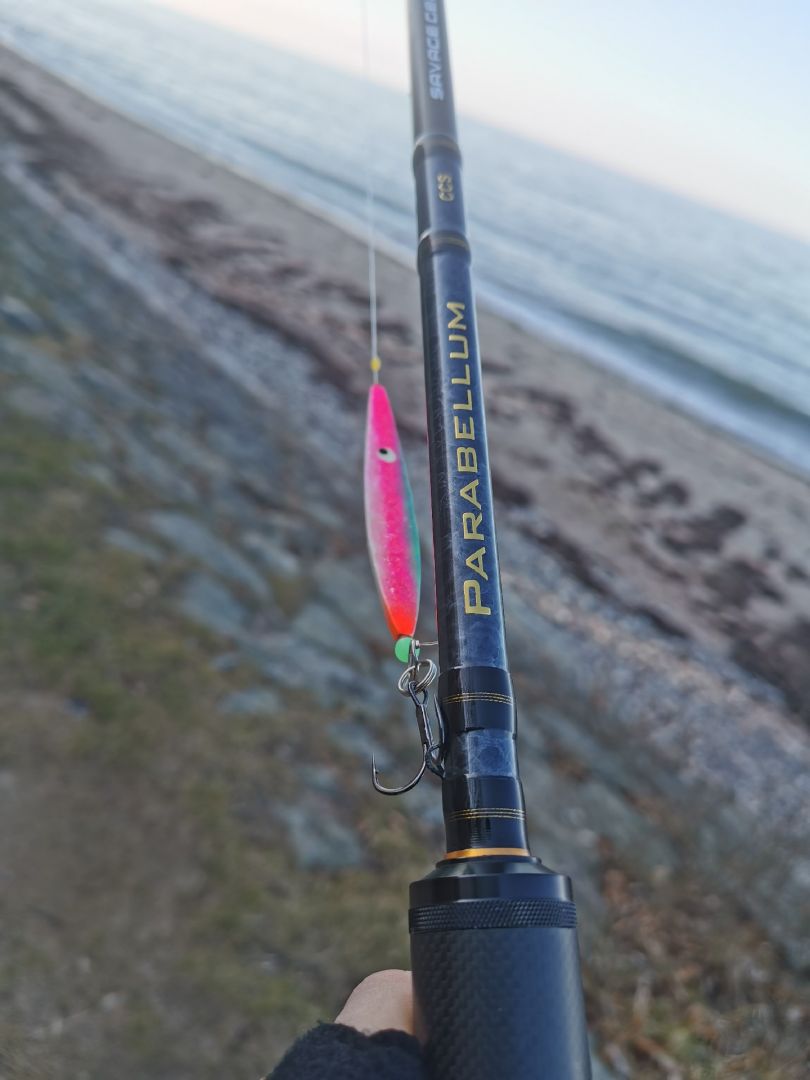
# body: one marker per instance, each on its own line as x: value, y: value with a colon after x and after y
x: 710, y: 99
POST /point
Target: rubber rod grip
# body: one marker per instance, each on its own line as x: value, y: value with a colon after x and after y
x: 498, y: 991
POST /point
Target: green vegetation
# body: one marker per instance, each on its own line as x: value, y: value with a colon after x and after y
x: 194, y: 918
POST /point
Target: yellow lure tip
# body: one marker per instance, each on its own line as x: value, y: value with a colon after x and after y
x: 376, y: 364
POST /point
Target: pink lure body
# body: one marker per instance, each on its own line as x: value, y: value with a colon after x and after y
x: 393, y: 538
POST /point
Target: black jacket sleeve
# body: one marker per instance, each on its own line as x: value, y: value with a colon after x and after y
x: 337, y: 1052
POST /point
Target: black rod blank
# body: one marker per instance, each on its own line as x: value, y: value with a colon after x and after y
x: 483, y: 801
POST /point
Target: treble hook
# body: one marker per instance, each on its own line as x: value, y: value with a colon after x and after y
x: 431, y: 750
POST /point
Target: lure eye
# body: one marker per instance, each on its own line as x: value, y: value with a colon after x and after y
x: 386, y: 454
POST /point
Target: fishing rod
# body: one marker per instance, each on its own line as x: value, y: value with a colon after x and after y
x: 495, y: 960
x: 496, y: 975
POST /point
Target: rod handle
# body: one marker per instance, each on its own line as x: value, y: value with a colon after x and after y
x: 498, y: 994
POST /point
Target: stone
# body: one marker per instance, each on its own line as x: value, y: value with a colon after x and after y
x: 211, y: 605
x: 358, y: 741
x: 298, y: 665
x: 191, y: 537
x: 252, y: 701
x: 18, y: 316
x: 323, y: 628
x: 184, y: 448
x: 349, y: 587
x: 153, y: 471
x: 318, y: 840
x: 109, y: 388
x: 228, y: 661
x: 21, y: 358
x: 97, y: 472
x: 59, y: 413
x: 320, y: 778
x: 611, y: 815
x: 280, y: 563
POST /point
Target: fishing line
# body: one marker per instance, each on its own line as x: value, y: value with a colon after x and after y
x: 376, y: 363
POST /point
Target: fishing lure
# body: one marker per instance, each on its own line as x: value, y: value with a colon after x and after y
x: 393, y: 544
x: 393, y: 537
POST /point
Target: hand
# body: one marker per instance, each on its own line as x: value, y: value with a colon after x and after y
x: 382, y: 1001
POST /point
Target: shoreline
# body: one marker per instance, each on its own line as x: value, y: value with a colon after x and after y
x: 703, y: 399
x: 585, y: 462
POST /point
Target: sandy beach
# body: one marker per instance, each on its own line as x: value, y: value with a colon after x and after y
x: 656, y: 510
x: 656, y: 571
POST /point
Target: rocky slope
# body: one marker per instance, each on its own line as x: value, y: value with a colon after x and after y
x: 194, y: 676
